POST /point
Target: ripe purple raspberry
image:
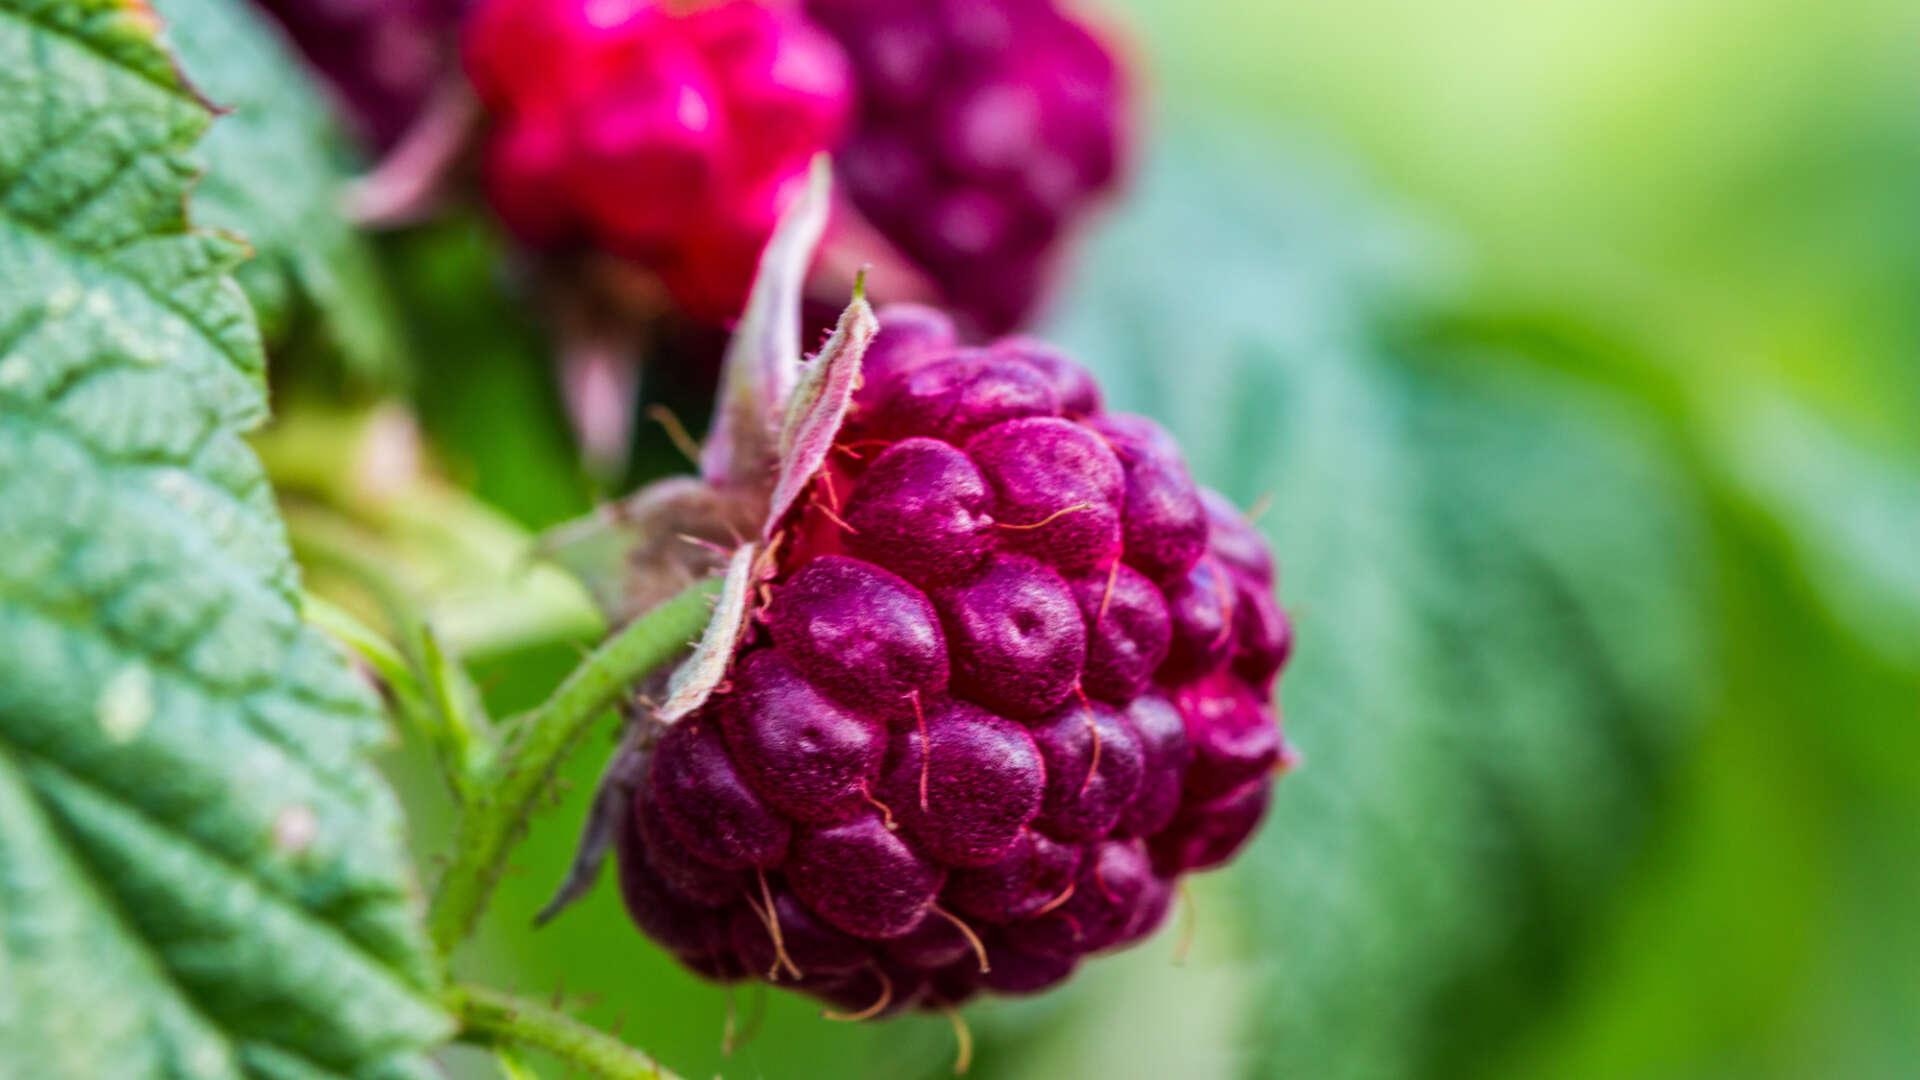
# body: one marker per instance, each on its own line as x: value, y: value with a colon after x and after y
x: 987, y: 128
x: 1007, y: 674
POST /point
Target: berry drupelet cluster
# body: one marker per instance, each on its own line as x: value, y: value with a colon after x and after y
x: 1011, y: 677
x: 672, y: 135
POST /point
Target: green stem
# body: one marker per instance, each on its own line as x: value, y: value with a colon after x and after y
x: 505, y: 796
x: 379, y: 653
x: 489, y: 1017
x: 463, y: 735
x: 431, y: 693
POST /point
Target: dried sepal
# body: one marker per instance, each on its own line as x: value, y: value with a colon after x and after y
x: 817, y: 406
x: 762, y: 362
x: 694, y: 681
x: 637, y: 552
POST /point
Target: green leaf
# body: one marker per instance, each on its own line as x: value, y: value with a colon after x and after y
x: 483, y: 388
x: 199, y: 875
x: 1852, y: 516
x: 275, y: 166
x: 1493, y: 573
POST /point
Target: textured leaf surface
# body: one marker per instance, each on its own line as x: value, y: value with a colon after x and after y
x: 1489, y: 576
x: 275, y: 164
x: 199, y: 876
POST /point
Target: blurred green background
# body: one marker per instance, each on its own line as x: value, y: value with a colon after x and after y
x: 1577, y: 346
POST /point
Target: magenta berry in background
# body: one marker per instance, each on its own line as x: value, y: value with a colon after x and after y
x: 383, y: 58
x: 986, y: 129
x: 671, y: 135
x: 1011, y: 677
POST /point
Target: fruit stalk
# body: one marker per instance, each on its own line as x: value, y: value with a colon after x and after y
x: 489, y: 1017
x: 505, y: 796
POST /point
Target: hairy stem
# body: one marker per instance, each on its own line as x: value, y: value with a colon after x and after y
x: 491, y: 1018
x: 505, y: 795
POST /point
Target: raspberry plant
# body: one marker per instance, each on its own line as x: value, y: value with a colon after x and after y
x: 918, y: 573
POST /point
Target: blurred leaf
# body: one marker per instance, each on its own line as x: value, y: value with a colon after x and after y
x: 485, y: 388
x: 1495, y: 576
x: 199, y: 876
x: 275, y: 164
x: 1852, y: 516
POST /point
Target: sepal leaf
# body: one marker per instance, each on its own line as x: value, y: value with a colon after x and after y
x: 818, y: 406
x: 762, y: 361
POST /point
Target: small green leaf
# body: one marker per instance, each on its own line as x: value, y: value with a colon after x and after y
x: 199, y: 875
x: 275, y: 165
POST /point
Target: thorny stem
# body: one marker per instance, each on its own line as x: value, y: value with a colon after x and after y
x: 506, y: 793
x: 490, y: 1018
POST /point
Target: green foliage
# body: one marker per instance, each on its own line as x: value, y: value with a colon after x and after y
x: 276, y: 163
x: 198, y: 874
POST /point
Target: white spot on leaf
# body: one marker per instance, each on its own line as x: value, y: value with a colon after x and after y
x: 126, y: 704
x: 294, y: 828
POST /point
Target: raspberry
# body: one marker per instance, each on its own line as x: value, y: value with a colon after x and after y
x: 672, y: 136
x: 383, y: 57
x: 987, y: 128
x: 1009, y: 676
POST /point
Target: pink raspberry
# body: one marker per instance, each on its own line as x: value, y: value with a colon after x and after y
x: 987, y: 128
x: 1010, y: 675
x: 670, y: 135
x: 383, y: 57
